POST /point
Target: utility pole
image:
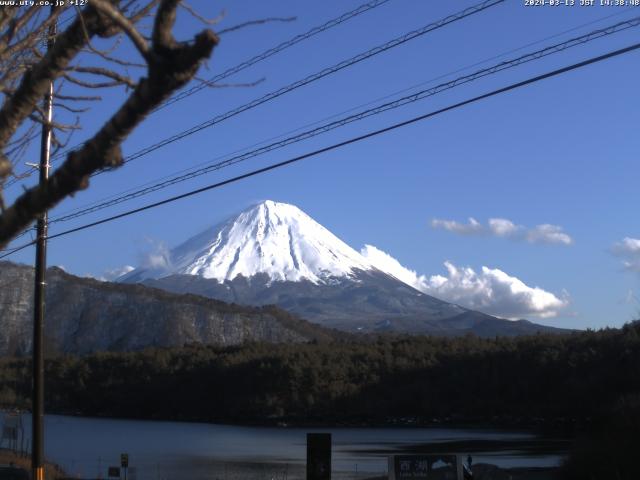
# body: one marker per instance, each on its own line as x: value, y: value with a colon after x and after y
x: 37, y: 414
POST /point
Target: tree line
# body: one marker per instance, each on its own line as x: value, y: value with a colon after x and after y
x: 372, y: 380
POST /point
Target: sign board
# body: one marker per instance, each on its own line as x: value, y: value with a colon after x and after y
x: 446, y: 466
x: 124, y: 460
x: 114, y: 472
x: 318, y: 456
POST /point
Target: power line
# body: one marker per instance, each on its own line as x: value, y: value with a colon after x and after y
x: 374, y: 133
x: 508, y: 52
x: 247, y: 63
x: 274, y: 50
x: 414, y: 97
x: 408, y: 89
x: 353, y: 140
x: 11, y: 251
x: 328, y: 25
x: 314, y: 77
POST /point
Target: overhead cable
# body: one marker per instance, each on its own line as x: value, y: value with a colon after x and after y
x: 344, y: 143
x: 352, y: 140
x: 314, y: 77
x: 245, y: 64
x: 414, y: 97
x: 274, y: 50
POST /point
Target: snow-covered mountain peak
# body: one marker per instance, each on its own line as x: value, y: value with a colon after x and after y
x: 274, y: 238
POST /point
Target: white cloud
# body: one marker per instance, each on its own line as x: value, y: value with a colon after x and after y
x: 491, y: 291
x: 111, y: 275
x: 547, y: 233
x: 114, y: 273
x: 470, y: 228
x: 629, y: 250
x: 158, y: 257
x: 629, y: 245
x: 501, y: 227
x: 385, y: 262
x: 495, y: 292
x: 505, y: 228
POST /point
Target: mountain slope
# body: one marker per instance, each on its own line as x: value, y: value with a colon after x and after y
x: 374, y: 303
x: 84, y: 315
x: 273, y: 253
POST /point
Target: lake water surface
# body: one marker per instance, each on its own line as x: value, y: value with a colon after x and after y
x: 199, y: 451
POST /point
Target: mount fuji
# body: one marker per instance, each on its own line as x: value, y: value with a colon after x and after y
x: 276, y: 239
x: 274, y: 253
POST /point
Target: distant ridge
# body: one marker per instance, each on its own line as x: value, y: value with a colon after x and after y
x: 84, y: 315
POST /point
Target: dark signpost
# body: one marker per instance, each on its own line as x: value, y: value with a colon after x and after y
x: 124, y: 463
x: 425, y: 467
x: 318, y: 456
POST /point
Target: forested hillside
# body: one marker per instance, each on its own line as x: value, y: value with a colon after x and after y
x: 86, y: 315
x: 377, y: 380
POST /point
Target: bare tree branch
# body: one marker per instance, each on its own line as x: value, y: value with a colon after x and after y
x: 125, y: 24
x: 35, y: 82
x: 5, y: 166
x: 15, y: 25
x: 143, y: 12
x: 171, y: 65
x: 106, y: 55
x: 105, y: 72
x: 255, y: 22
x: 6, y: 15
x: 210, y: 84
x: 94, y: 85
x: 197, y: 16
x: 28, y: 39
x: 79, y: 98
x: 63, y: 144
x: 38, y: 116
x: 165, y: 18
x: 66, y: 107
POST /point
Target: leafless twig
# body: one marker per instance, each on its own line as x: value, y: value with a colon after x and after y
x: 197, y: 16
x: 255, y: 22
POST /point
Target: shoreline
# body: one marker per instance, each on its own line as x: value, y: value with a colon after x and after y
x: 540, y: 426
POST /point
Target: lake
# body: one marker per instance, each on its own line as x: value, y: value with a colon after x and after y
x: 174, y: 450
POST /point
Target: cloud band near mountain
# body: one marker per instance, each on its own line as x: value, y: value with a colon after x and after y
x: 490, y: 290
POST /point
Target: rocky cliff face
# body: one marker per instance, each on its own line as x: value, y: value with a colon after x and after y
x: 85, y: 315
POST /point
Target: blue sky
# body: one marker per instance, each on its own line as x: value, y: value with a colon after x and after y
x: 562, y: 152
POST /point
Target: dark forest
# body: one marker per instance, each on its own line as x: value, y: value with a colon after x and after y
x: 551, y: 379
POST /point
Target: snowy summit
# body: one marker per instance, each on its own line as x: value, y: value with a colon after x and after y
x: 274, y: 238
